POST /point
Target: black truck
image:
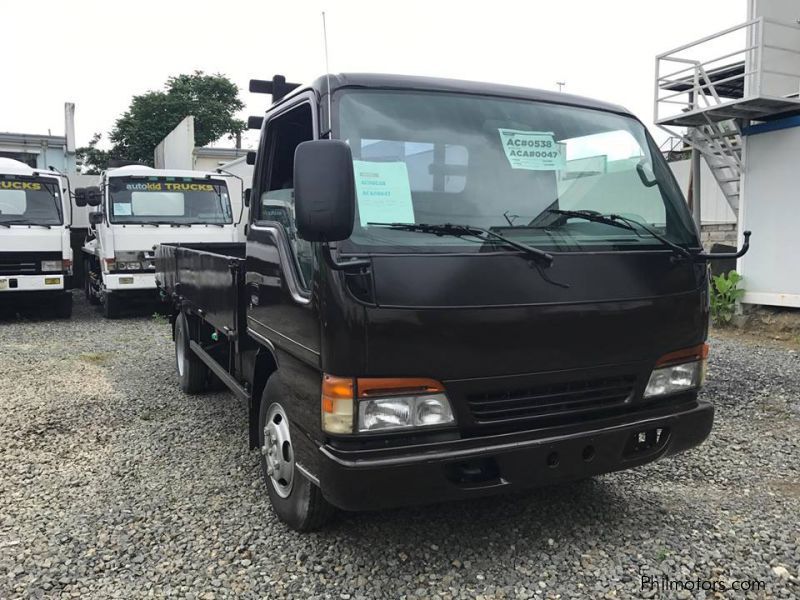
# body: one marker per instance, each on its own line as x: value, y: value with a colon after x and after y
x: 448, y: 289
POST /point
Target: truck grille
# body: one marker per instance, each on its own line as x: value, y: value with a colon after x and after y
x: 562, y: 399
x: 18, y: 268
x: 25, y: 262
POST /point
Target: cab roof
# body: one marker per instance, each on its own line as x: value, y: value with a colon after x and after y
x: 437, y: 84
x: 9, y: 166
x: 143, y: 171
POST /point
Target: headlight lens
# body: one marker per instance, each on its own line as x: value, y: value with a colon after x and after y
x: 403, y: 412
x: 383, y: 404
x: 675, y: 378
x: 130, y: 260
x: 52, y: 265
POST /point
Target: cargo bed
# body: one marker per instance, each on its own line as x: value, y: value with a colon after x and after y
x: 206, y: 279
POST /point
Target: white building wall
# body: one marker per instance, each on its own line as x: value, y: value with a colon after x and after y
x: 176, y: 150
x: 780, y: 66
x: 771, y: 210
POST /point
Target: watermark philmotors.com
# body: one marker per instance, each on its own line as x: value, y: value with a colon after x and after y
x: 663, y: 583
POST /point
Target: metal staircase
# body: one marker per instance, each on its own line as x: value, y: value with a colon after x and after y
x: 720, y: 143
x: 706, y: 98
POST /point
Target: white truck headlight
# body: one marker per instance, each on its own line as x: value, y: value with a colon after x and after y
x: 384, y: 404
x: 128, y: 261
x: 52, y: 265
x: 678, y: 372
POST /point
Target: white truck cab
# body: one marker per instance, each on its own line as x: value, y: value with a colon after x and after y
x: 35, y: 253
x: 136, y: 208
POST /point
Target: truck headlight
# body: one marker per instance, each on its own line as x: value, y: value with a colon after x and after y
x: 52, y: 265
x: 127, y: 260
x: 681, y: 371
x: 404, y: 412
x: 384, y: 404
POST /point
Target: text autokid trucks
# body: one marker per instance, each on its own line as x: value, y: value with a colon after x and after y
x: 35, y: 253
x: 138, y: 208
x: 484, y: 288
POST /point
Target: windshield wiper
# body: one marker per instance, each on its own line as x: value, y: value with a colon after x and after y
x: 461, y: 230
x: 540, y: 257
x: 11, y: 222
x: 623, y: 223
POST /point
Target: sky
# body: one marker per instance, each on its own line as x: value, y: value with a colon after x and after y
x: 100, y: 54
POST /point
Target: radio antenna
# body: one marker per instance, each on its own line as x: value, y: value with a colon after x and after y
x: 327, y: 71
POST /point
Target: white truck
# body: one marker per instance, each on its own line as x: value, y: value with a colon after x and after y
x: 136, y: 208
x: 35, y: 253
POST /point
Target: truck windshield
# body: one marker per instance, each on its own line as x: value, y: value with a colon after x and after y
x: 171, y: 200
x: 29, y: 201
x: 508, y: 166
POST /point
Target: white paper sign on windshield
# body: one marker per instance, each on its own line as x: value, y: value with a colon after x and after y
x: 532, y: 150
x: 122, y: 209
x: 384, y: 192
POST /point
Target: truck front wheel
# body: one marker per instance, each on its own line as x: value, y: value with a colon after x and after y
x: 111, y: 305
x: 297, y: 502
x: 63, y: 306
x: 88, y: 290
x: 192, y: 371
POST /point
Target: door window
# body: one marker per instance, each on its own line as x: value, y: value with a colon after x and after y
x: 276, y: 204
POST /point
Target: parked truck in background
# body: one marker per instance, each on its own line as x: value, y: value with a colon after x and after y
x: 35, y: 253
x: 136, y: 208
x: 464, y: 290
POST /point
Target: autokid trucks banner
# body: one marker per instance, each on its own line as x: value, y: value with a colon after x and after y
x: 168, y: 186
x: 20, y: 185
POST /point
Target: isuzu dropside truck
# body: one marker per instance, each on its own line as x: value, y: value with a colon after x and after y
x: 137, y: 208
x: 35, y: 253
x: 448, y: 290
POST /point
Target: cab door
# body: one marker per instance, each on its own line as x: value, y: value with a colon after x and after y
x: 281, y: 268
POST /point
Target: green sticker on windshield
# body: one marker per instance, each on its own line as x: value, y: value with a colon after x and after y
x: 384, y: 192
x: 532, y: 150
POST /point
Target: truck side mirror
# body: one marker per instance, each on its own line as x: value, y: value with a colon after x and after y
x: 94, y: 197
x: 80, y: 197
x: 324, y: 191
x: 247, y: 193
x: 95, y: 218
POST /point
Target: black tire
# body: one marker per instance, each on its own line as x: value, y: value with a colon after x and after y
x: 87, y: 284
x: 192, y: 372
x: 63, y: 306
x: 304, y: 509
x: 111, y: 306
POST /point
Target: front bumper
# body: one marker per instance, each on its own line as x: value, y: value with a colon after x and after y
x: 472, y: 467
x: 130, y: 281
x: 44, y: 282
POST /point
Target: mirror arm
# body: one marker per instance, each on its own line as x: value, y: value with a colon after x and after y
x: 726, y: 255
x: 356, y: 264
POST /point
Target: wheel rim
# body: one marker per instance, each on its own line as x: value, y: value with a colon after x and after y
x: 179, y: 350
x: 278, y: 451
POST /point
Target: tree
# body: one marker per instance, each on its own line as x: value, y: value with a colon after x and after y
x: 212, y: 99
x: 92, y: 159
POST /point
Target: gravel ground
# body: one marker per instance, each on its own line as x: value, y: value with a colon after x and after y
x: 115, y: 484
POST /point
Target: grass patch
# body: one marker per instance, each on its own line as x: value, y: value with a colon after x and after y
x: 160, y: 319
x: 94, y: 358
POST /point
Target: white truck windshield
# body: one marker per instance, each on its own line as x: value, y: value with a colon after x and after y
x: 176, y: 200
x: 29, y: 201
